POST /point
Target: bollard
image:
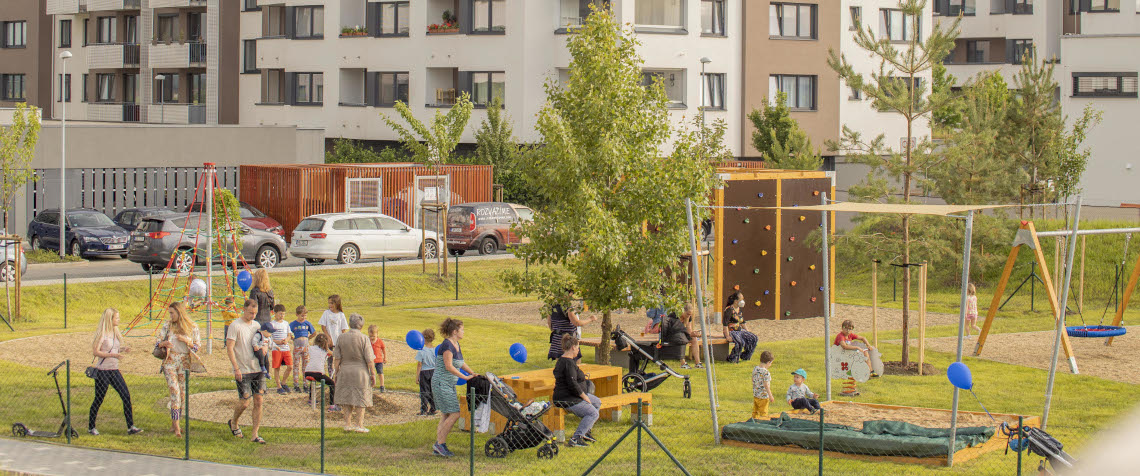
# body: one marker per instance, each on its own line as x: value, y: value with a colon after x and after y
x: 186, y: 414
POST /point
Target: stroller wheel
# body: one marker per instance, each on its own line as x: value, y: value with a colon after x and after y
x: 688, y: 389
x: 632, y: 382
x: 496, y: 448
x: 547, y: 451
x: 18, y: 429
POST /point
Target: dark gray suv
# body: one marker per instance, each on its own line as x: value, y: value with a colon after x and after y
x: 159, y: 237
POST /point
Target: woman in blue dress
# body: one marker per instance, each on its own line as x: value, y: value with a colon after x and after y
x: 449, y: 358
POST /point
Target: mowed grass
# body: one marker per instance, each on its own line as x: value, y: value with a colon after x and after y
x: 1082, y: 405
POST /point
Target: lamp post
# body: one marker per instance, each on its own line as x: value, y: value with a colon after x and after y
x: 704, y: 86
x: 63, y: 57
x: 161, y: 98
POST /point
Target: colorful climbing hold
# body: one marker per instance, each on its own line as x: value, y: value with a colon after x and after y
x: 737, y: 287
x: 790, y: 238
x: 789, y: 258
x: 767, y: 227
x: 815, y: 193
x: 812, y: 267
x: 793, y: 283
x: 787, y: 313
x: 755, y: 270
x: 821, y: 288
x: 733, y: 262
x: 766, y: 292
x: 761, y: 195
x: 745, y: 220
x: 757, y: 303
x: 802, y: 218
x: 763, y: 252
x: 735, y: 241
x: 813, y: 299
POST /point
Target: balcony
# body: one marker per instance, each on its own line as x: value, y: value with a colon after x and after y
x: 113, y: 56
x: 111, y: 5
x: 177, y: 3
x: 352, y: 90
x: 442, y: 87
x: 65, y: 7
x: 177, y: 55
x: 113, y: 112
x: 172, y: 113
x: 443, y: 17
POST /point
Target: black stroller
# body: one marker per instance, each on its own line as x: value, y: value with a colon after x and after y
x: 638, y: 379
x: 1038, y: 442
x: 521, y: 431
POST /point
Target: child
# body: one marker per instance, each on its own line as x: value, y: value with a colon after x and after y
x: 425, y: 368
x: 316, y: 367
x: 261, y: 349
x: 972, y: 309
x: 282, y: 356
x: 228, y: 317
x: 378, y: 349
x: 846, y: 337
x: 799, y: 395
x: 762, y: 386
x: 333, y: 324
x: 301, y: 329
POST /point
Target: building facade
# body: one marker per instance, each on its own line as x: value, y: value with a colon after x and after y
x: 25, y: 54
x: 997, y: 35
x: 158, y: 61
x: 339, y: 64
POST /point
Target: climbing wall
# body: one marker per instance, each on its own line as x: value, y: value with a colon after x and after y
x: 765, y: 253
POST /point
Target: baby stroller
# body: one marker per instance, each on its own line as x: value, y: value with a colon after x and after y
x: 638, y: 379
x: 524, y: 428
x: 1038, y: 442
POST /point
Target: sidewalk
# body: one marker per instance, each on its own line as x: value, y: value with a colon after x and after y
x: 31, y: 457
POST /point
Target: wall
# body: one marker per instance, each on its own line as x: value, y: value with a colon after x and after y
x: 34, y: 61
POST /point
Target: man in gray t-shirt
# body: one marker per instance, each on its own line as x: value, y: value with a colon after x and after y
x: 247, y: 371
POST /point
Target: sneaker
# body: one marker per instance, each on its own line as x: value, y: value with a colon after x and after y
x: 381, y: 389
x: 576, y: 442
x: 296, y: 388
x: 700, y: 366
x: 439, y: 450
x: 589, y: 437
x: 685, y: 366
x: 93, y: 432
x: 282, y: 390
x: 447, y: 450
x: 334, y: 408
x: 431, y: 413
x: 134, y: 430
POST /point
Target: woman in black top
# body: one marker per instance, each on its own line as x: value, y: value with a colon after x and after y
x: 564, y: 320
x: 262, y: 292
x: 734, y: 330
x: 570, y: 394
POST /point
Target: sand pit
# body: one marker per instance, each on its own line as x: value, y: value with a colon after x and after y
x: 49, y: 350
x: 854, y: 414
x: 293, y: 410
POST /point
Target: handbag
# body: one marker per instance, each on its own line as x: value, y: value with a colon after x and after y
x: 91, y: 370
x: 160, y: 353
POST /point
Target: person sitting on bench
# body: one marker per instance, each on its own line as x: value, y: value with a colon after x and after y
x: 735, y: 331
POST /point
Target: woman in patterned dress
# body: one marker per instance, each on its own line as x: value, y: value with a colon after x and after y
x: 448, y: 362
x: 179, y: 335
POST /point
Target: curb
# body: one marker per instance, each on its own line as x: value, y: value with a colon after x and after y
x: 77, y: 264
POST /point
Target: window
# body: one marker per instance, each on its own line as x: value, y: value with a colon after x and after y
x: 486, y: 87
x: 713, y: 84
x: 130, y: 88
x: 310, y: 22
x: 896, y: 26
x: 856, y: 18
x: 673, y: 80
x: 712, y: 17
x: 978, y: 51
x: 15, y: 34
x: 964, y: 7
x: 488, y: 16
x: 65, y: 33
x: 86, y: 23
x: 275, y: 27
x: 64, y: 88
x: 132, y: 30
x: 394, y: 18
x: 104, y: 30
x: 660, y: 14
x: 1019, y: 50
x: 791, y: 20
x: 250, y: 6
x: 194, y: 26
x: 104, y: 87
x: 904, y: 84
x: 856, y: 94
x: 168, y: 89
x: 342, y: 225
x: 249, y: 56
x: 12, y: 87
x: 83, y: 85
x: 273, y: 86
x: 1121, y: 85
x: 799, y: 91
x: 166, y: 27
x: 1098, y: 6
x: 572, y: 13
x: 393, y: 87
x: 197, y: 88
x: 309, y: 88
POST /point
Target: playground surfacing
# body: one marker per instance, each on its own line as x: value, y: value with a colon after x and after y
x: 293, y: 410
x: 853, y: 414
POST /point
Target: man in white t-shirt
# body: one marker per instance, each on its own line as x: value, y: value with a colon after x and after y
x: 247, y: 371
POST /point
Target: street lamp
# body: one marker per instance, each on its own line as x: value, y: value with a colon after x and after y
x: 161, y: 98
x: 63, y: 57
x: 704, y: 86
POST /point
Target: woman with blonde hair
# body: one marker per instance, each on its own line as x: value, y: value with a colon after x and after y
x: 262, y: 292
x: 179, y: 335
x: 108, y: 348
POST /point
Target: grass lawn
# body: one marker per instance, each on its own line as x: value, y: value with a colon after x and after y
x: 1082, y: 405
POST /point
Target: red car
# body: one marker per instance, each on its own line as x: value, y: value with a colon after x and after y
x: 251, y: 217
x: 484, y: 226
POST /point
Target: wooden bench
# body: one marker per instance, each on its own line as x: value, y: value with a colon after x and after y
x: 718, y: 345
x: 612, y: 410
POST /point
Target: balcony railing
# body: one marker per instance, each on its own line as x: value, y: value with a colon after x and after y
x: 197, y: 114
x: 197, y: 53
x: 113, y: 111
x: 132, y: 54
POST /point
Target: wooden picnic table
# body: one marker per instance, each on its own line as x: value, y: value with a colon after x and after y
x: 539, y: 385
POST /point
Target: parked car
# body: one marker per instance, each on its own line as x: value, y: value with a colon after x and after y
x: 129, y: 219
x: 348, y: 237
x: 484, y: 226
x: 9, y: 255
x: 251, y: 217
x: 157, y: 238
x: 89, y: 233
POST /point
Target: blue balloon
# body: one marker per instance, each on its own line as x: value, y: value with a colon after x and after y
x: 462, y: 381
x: 959, y: 375
x: 518, y: 352
x: 245, y: 280
x: 415, y: 339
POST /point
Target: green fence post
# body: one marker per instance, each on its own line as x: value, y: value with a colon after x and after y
x: 305, y: 283
x: 65, y: 302
x: 383, y: 280
x: 471, y: 414
x: 821, y: 441
x: 456, y: 277
x: 186, y: 414
x: 1020, y: 442
x: 639, y: 424
x: 68, y: 381
x: 322, y: 409
x: 526, y: 274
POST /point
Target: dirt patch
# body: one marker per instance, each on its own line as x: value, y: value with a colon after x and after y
x: 1120, y: 362
x: 47, y: 351
x: 897, y: 368
x: 854, y: 415
x: 293, y: 410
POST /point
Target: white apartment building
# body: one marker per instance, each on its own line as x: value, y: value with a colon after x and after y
x: 158, y: 61
x: 339, y: 64
x: 997, y: 34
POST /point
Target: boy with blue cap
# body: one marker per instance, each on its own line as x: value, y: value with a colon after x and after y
x: 800, y: 397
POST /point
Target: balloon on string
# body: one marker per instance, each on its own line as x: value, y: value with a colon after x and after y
x: 462, y: 381
x: 198, y: 288
x: 959, y: 375
x: 415, y: 339
x: 518, y: 352
x: 245, y: 280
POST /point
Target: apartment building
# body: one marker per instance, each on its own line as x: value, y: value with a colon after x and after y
x: 157, y: 61
x: 786, y: 50
x: 997, y: 35
x: 339, y: 64
x: 25, y: 54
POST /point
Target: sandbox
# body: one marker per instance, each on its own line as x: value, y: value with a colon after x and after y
x: 973, y: 438
x: 293, y: 410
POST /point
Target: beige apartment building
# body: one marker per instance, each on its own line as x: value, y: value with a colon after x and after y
x: 25, y: 54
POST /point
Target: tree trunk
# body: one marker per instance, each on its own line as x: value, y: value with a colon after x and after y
x: 906, y: 246
x: 603, y: 354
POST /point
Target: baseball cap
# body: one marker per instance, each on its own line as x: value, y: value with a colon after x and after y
x: 800, y: 372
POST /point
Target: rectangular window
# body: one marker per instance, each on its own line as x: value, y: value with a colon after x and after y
x: 896, y: 26
x: 104, y: 87
x: 393, y: 87
x: 273, y: 89
x: 660, y: 14
x: 713, y: 89
x: 309, y: 89
x: 1100, y: 6
x: 194, y: 27
x: 486, y: 86
x: 12, y: 87
x: 673, y: 80
x: 64, y: 88
x: 275, y: 26
x: 15, y: 34
x: 1104, y: 85
x: 856, y: 94
x: 1024, y: 7
x: 130, y: 88
x: 856, y: 18
x: 169, y: 90
x: 488, y: 16
x: 249, y: 56
x: 904, y: 84
x: 250, y: 6
x: 712, y: 18
x: 394, y: 18
x: 86, y: 24
x: 963, y: 7
x: 572, y: 13
x: 132, y: 27
x: 65, y: 33
x: 105, y: 30
x: 310, y: 22
x: 1021, y: 49
x: 165, y: 28
x: 791, y: 20
x: 799, y: 91
x: 83, y: 85
x: 978, y: 51
x: 197, y: 88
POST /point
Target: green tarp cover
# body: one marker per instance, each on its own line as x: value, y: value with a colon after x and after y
x: 878, y: 438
